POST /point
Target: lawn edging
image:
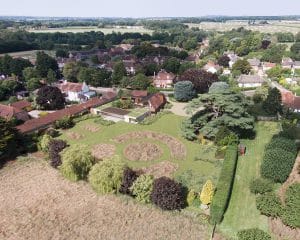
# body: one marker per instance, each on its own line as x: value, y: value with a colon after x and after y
x: 224, y: 187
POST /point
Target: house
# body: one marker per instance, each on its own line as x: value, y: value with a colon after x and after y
x: 267, y: 66
x: 76, y: 92
x: 212, y: 67
x: 138, y: 95
x: 156, y: 102
x: 233, y: 58
x: 247, y: 81
x: 163, y: 79
x: 287, y: 63
x: 255, y: 64
x: 126, y: 47
x: 9, y: 112
x: 296, y: 65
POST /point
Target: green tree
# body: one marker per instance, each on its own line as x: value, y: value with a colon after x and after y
x: 253, y: 234
x: 273, y: 103
x: 51, y: 76
x: 142, y: 188
x: 44, y: 62
x: 242, y: 66
x: 140, y: 81
x: 33, y: 84
x: 273, y: 54
x: 184, y: 91
x: 172, y: 65
x: 118, y: 73
x: 8, y: 139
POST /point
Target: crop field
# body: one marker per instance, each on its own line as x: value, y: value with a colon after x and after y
x: 107, y: 30
x: 31, y: 55
x: 272, y: 27
x: 37, y: 203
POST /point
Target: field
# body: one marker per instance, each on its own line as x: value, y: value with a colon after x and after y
x: 242, y: 213
x: 107, y: 30
x: 31, y: 55
x: 37, y: 203
x: 169, y: 125
x: 272, y: 27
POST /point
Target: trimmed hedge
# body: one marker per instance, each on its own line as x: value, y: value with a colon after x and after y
x: 283, y: 143
x: 220, y: 200
x: 253, y: 234
x: 261, y: 186
x: 269, y: 204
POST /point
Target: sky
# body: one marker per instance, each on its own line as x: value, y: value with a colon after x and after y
x: 147, y: 8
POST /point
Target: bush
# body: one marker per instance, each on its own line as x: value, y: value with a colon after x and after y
x: 269, y: 204
x: 277, y: 164
x: 192, y: 195
x: 142, y: 188
x: 129, y: 176
x: 191, y: 180
x: 291, y: 210
x: 223, y: 191
x: 261, y: 186
x: 64, y: 123
x: 253, y: 234
x: 207, y: 193
x: 52, y: 132
x: 44, y: 143
x: 285, y: 144
x: 103, y: 122
x: 55, y: 147
x: 106, y: 176
x: 168, y: 194
x: 76, y: 162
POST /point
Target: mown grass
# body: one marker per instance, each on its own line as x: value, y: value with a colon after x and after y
x: 167, y: 124
x: 242, y: 213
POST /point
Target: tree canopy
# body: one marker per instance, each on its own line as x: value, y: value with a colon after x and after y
x: 50, y: 98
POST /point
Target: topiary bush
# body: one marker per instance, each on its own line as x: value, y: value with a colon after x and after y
x: 129, y: 176
x: 253, y: 234
x: 76, y: 162
x: 207, y: 192
x: 142, y: 188
x: 223, y: 190
x: 168, y: 194
x: 269, y: 204
x: 291, y: 210
x: 106, y: 176
x: 55, y: 147
x: 261, y: 186
x: 277, y: 164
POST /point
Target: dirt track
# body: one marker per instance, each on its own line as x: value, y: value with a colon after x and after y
x: 36, y: 203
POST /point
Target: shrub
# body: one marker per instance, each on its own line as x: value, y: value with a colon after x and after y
x: 52, y: 132
x: 64, y: 123
x: 192, y: 195
x: 268, y: 204
x: 224, y: 186
x: 277, y: 164
x: 219, y: 87
x: 283, y: 143
x: 106, y: 176
x: 261, y: 186
x: 142, y: 188
x: 207, y: 192
x: 168, y: 194
x: 44, y: 143
x: 76, y: 162
x: 55, y: 147
x: 253, y: 234
x: 291, y: 210
x: 129, y: 176
x: 191, y: 180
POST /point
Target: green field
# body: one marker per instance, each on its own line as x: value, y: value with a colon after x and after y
x: 168, y: 124
x: 108, y: 30
x: 242, y: 213
x: 28, y: 54
x: 272, y: 27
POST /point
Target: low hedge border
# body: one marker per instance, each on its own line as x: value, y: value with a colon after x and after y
x: 223, y: 191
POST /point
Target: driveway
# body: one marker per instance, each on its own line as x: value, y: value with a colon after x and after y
x: 178, y: 108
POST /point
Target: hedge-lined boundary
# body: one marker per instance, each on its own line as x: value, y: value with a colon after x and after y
x: 224, y: 187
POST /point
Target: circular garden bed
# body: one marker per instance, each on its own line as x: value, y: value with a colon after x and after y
x: 143, y: 151
x: 101, y: 151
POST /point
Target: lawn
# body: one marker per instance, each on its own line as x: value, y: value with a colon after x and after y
x: 205, y: 166
x: 242, y: 213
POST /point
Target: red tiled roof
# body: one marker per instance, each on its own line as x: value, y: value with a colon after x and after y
x: 8, y: 112
x: 21, y: 104
x: 138, y: 93
x: 157, y: 101
x: 70, y: 87
x: 49, y: 119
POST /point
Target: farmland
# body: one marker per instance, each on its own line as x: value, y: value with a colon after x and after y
x: 272, y: 27
x: 106, y: 30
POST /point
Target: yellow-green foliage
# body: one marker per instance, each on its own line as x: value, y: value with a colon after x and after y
x: 44, y: 143
x: 142, y: 188
x: 207, y: 192
x: 106, y: 176
x: 191, y: 197
x: 76, y: 162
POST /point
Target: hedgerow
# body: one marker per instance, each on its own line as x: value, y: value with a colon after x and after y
x: 224, y: 186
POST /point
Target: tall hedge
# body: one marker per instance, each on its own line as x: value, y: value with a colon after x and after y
x: 223, y: 191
